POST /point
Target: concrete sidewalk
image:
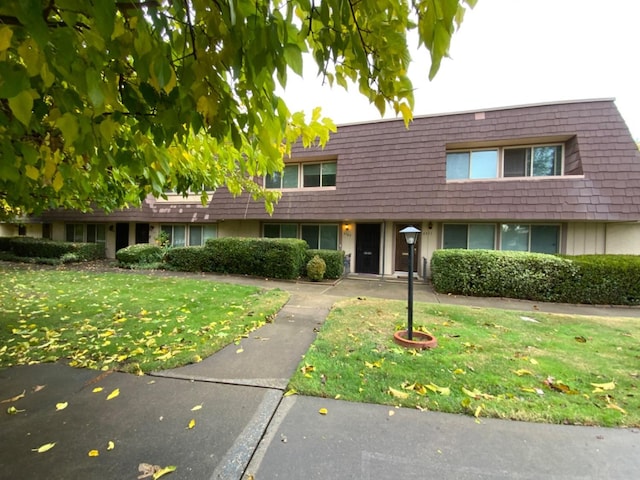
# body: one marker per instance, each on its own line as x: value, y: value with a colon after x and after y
x: 246, y: 427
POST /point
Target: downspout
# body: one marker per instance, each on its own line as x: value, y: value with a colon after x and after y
x: 384, y: 246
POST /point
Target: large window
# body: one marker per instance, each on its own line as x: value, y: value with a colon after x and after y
x: 320, y: 236
x: 530, y: 238
x: 307, y: 175
x: 85, y: 233
x: 323, y: 236
x: 518, y: 237
x: 525, y: 161
x: 281, y: 230
x: 533, y: 161
x: 191, y: 235
x: 472, y: 164
x: 469, y: 236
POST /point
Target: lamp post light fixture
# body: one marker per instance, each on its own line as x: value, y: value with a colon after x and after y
x: 411, y: 237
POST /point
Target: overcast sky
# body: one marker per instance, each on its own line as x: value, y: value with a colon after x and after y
x: 513, y: 52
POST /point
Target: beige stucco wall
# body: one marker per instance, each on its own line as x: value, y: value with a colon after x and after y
x: 601, y: 238
x: 623, y: 238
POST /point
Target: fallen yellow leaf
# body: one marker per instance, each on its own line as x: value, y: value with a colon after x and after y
x: 522, y: 372
x: 13, y: 410
x: 61, y: 406
x: 391, y: 413
x: 164, y: 471
x: 459, y: 371
x: 291, y: 391
x: 97, y: 390
x: 111, y: 445
x: 93, y: 453
x: 113, y: 394
x: 616, y: 407
x: 192, y: 423
x: 240, y: 350
x: 197, y: 407
x: 398, y: 394
x: 44, y: 448
x: 601, y: 387
x: 323, y: 411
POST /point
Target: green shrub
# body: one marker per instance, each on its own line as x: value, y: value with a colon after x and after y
x: 594, y: 279
x: 316, y: 268
x: 189, y: 259
x: 141, y: 253
x: 28, y: 247
x: 333, y: 259
x: 263, y: 257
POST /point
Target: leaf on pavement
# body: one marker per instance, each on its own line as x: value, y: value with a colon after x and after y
x: 291, y: 391
x: 44, y: 448
x: 323, y: 411
x: 197, y: 407
x: 164, y: 471
x: 61, y: 406
x: 37, y: 388
x: 113, y: 394
x: 93, y: 453
x: 192, y: 423
x: 111, y: 445
x: 16, y: 398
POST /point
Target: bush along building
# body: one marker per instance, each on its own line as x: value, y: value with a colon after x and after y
x: 553, y: 178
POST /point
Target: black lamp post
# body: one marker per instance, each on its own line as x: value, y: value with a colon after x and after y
x: 411, y: 236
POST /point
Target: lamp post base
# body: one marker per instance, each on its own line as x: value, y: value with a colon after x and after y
x: 420, y: 341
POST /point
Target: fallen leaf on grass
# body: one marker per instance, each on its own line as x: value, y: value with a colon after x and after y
x: 558, y: 386
x: 44, y: 448
x: 601, y: 387
x: 581, y: 339
x: 398, y: 394
x: 476, y: 394
x: 376, y: 364
x: 61, y: 406
x: 14, y: 399
x: 616, y: 407
x: 520, y: 372
x: 113, y: 394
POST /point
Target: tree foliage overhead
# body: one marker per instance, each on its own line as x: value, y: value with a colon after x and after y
x: 103, y: 102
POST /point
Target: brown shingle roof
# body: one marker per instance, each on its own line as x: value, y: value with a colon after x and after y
x: 386, y: 171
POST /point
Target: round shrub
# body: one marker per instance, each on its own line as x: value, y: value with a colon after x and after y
x: 316, y: 268
x: 141, y: 253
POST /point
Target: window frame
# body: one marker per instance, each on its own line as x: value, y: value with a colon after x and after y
x: 502, y: 151
x: 165, y: 227
x: 326, y: 180
x: 300, y: 227
x: 81, y: 233
x: 499, y: 236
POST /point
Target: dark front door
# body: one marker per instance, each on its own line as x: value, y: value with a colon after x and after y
x: 142, y: 233
x: 402, y: 252
x: 368, y: 248
x: 122, y: 235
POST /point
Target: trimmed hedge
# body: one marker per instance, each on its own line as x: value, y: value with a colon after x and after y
x: 189, y: 259
x: 594, y: 279
x: 334, y: 260
x: 28, y: 247
x: 262, y: 257
x: 140, y: 253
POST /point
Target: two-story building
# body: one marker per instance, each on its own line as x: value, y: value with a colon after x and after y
x: 556, y: 178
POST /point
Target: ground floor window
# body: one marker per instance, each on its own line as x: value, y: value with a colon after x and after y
x: 191, y: 235
x: 517, y: 237
x: 322, y: 236
x: 85, y: 233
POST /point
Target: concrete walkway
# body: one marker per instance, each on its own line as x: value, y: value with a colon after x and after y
x: 245, y: 428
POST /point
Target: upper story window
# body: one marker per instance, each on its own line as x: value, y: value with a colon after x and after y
x: 509, y: 162
x: 305, y: 175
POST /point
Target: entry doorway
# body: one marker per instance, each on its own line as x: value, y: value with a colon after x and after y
x: 368, y: 248
x: 122, y: 235
x: 402, y: 251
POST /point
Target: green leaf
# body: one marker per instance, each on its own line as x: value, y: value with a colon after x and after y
x: 6, y: 33
x: 68, y: 125
x: 293, y: 57
x: 21, y: 105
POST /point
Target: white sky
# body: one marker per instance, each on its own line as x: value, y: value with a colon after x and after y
x: 512, y: 52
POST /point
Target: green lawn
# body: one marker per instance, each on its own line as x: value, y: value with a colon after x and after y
x: 489, y: 363
x: 130, y: 322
